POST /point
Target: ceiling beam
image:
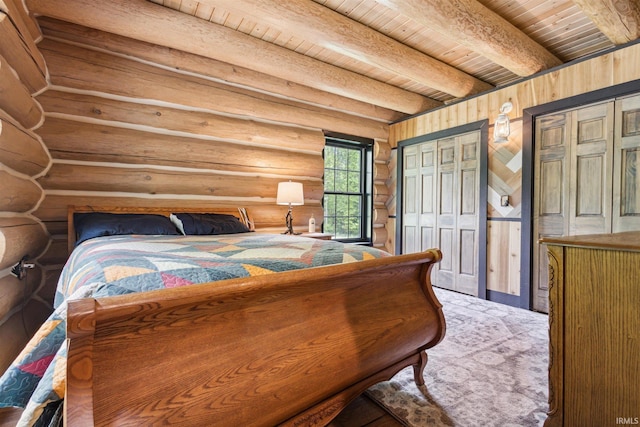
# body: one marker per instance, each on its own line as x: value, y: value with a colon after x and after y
x: 324, y: 27
x: 619, y: 20
x: 222, y: 71
x: 478, y: 28
x: 149, y: 22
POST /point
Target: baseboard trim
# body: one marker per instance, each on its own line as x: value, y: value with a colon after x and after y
x: 502, y: 298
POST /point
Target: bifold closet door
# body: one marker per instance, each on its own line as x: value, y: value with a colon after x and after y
x: 573, y: 181
x: 419, y: 197
x: 441, y: 207
x: 457, y: 201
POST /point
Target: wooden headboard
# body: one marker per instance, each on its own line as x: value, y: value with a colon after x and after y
x: 240, y: 213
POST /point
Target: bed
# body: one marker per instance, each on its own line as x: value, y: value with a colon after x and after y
x: 264, y: 334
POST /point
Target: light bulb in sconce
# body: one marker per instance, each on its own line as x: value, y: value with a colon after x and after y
x: 501, y: 128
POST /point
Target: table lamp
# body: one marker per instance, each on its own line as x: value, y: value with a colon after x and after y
x: 290, y: 193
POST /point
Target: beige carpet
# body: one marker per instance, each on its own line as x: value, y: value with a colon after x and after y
x: 490, y: 370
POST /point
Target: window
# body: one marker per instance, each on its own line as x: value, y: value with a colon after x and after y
x: 348, y: 165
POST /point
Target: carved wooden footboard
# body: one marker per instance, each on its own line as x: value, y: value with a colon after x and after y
x: 289, y: 348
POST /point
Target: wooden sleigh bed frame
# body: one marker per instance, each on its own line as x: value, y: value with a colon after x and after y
x: 290, y: 348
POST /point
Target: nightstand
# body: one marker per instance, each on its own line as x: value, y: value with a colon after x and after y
x: 320, y: 236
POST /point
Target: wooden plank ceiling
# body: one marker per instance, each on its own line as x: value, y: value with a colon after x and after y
x: 404, y: 56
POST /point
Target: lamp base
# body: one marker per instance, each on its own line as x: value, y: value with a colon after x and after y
x: 289, y: 220
x: 291, y: 232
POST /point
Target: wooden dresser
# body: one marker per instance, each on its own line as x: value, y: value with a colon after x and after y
x: 594, y: 321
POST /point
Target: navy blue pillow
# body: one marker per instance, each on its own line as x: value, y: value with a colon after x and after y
x: 96, y: 224
x: 201, y: 224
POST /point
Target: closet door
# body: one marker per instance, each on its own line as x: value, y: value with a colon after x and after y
x: 410, y: 199
x: 445, y: 273
x: 626, y: 196
x: 427, y: 195
x: 468, y: 213
x: 573, y: 181
x: 443, y: 177
x: 591, y: 174
x: 419, y: 197
x: 551, y: 207
x: 457, y: 222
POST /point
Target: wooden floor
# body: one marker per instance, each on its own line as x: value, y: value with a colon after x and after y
x: 361, y: 412
x: 365, y: 412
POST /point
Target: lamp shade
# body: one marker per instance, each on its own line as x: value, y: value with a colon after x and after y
x: 290, y: 193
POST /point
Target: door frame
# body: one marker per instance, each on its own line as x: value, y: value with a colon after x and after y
x: 529, y: 116
x: 482, y: 126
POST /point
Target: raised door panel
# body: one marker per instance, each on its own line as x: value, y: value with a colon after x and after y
x: 445, y: 272
x: 590, y: 194
x: 409, y: 199
x: 427, y: 237
x: 447, y: 195
x: 467, y: 252
x: 551, y: 195
x: 409, y: 238
x: 468, y: 193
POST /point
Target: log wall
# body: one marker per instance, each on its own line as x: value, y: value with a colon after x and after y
x: 25, y: 303
x: 89, y: 117
x: 505, y: 160
x: 128, y: 123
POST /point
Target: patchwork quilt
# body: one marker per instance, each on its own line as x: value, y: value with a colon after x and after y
x: 117, y: 265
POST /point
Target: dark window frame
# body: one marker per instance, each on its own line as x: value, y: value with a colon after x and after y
x: 365, y: 147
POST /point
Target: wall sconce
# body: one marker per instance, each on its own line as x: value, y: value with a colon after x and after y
x: 290, y: 193
x: 501, y: 129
